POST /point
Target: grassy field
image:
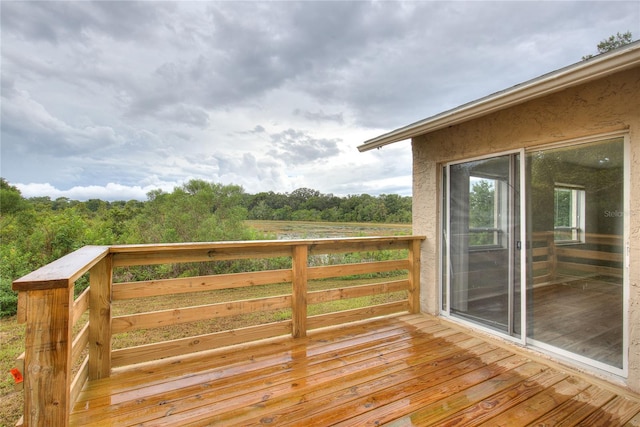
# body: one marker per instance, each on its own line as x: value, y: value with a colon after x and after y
x: 311, y: 230
x: 12, y: 333
x: 11, y: 346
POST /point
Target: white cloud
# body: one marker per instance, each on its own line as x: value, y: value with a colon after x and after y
x: 109, y: 192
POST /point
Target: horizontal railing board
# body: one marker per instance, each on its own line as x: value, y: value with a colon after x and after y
x: 197, y: 255
x: 328, y: 242
x: 178, y: 316
x: 346, y: 316
x: 541, y: 265
x: 127, y: 255
x: 317, y: 297
x: 541, y: 279
x: 588, y: 254
x: 79, y: 380
x: 150, y: 288
x: 356, y: 246
x: 323, y: 272
x: 79, y: 344
x: 183, y: 346
x: 80, y: 306
x: 589, y: 268
x: 540, y: 251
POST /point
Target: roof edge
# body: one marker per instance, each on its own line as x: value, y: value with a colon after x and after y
x: 572, y: 75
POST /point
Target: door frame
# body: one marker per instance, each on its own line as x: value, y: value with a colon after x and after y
x: 524, y: 340
x: 574, y: 358
x: 446, y: 227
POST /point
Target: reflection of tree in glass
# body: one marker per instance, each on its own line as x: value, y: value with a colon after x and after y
x: 562, y: 207
x: 482, y: 211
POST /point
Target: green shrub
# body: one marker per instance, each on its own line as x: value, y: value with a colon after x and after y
x: 8, y: 299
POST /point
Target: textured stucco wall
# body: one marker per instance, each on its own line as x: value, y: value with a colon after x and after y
x: 606, y: 105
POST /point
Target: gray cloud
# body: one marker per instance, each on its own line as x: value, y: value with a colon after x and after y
x: 260, y: 93
x: 295, y: 147
x: 319, y: 116
x: 26, y: 120
x: 58, y: 22
x: 190, y: 115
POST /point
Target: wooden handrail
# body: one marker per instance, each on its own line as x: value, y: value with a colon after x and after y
x: 47, y: 306
x: 63, y: 272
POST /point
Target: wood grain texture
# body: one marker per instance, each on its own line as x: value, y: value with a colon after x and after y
x: 63, y: 272
x: 47, y: 364
x: 100, y: 322
x: 396, y: 370
x: 300, y: 274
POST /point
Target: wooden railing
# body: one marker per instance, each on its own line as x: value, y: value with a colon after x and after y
x: 69, y: 340
x: 598, y: 255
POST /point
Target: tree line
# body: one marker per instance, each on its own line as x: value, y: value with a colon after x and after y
x: 36, y: 231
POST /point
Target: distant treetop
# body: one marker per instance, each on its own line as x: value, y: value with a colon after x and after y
x: 611, y: 43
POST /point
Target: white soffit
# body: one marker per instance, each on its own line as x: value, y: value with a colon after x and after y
x: 591, y: 69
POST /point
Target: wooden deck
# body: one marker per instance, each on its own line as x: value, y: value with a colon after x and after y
x: 401, y: 371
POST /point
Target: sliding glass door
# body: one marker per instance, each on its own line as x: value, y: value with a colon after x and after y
x: 483, y: 237
x: 566, y: 228
x: 576, y: 274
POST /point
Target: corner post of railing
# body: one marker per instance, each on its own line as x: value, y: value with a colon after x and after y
x: 100, y: 279
x: 414, y: 276
x: 47, y: 375
x: 299, y: 302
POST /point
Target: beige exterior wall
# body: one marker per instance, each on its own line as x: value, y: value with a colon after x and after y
x: 607, y: 105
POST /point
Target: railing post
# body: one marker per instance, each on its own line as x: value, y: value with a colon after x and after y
x: 100, y: 277
x: 299, y: 301
x: 414, y: 276
x: 47, y: 308
x: 47, y: 362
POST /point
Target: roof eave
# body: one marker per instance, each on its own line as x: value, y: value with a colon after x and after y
x: 582, y: 72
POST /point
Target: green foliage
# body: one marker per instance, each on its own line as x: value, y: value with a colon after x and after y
x: 37, y: 231
x: 611, y: 43
x: 196, y: 212
x: 305, y: 204
x: 10, y: 198
x: 482, y: 211
x: 8, y: 298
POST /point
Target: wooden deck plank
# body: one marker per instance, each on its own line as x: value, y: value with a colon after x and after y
x: 401, y: 370
x: 263, y: 365
x: 300, y: 408
x: 385, y: 406
x: 498, y: 403
x: 260, y: 383
x: 574, y: 410
x: 617, y: 411
x: 633, y: 422
x: 429, y: 412
x: 264, y: 408
x: 542, y: 402
x: 168, y: 370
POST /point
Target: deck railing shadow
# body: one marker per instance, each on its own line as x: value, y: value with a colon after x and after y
x: 69, y: 339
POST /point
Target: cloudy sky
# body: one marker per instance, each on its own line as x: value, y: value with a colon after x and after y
x: 112, y: 99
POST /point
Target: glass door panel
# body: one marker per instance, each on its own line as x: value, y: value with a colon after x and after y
x: 482, y: 264
x: 575, y: 268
